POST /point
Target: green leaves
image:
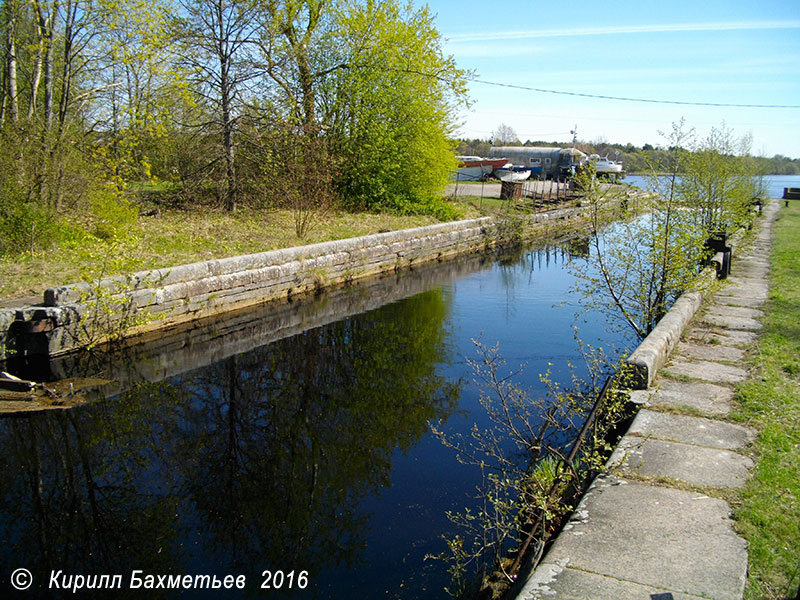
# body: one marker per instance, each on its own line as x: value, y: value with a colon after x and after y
x: 392, y: 109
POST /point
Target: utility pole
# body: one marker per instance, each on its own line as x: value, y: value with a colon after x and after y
x: 574, y: 133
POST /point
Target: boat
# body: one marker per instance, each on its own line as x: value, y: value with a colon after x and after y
x: 604, y: 166
x: 513, y: 173
x: 547, y: 162
x: 475, y: 168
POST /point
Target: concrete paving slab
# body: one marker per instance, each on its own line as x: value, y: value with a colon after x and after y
x: 757, y: 258
x: 751, y: 272
x: 706, y: 398
x: 551, y: 580
x: 756, y: 282
x: 746, y: 288
x: 750, y: 263
x: 705, y: 370
x: 751, y: 267
x: 710, y: 351
x: 753, y: 287
x: 690, y: 430
x: 736, y: 323
x: 708, y: 334
x: 691, y: 464
x: 755, y: 272
x: 735, y: 311
x: 654, y: 536
x: 720, y: 300
x: 757, y: 254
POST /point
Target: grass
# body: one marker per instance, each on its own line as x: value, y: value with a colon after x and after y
x: 176, y: 237
x: 769, y: 516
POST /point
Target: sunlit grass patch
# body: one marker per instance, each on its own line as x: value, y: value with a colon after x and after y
x: 769, y: 516
x: 175, y: 237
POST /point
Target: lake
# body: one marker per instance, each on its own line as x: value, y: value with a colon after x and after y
x: 774, y: 183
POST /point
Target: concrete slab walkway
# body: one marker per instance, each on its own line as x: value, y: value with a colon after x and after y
x: 653, y: 528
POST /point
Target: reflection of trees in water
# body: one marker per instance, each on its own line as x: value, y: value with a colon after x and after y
x: 262, y: 458
x: 69, y: 498
x: 531, y: 260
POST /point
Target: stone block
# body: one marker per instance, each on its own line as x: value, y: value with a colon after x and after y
x: 671, y: 540
x: 689, y: 463
x: 651, y: 355
x: 706, y: 371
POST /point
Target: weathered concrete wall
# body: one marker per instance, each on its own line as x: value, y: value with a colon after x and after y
x: 161, y: 354
x: 652, y: 354
x: 170, y: 296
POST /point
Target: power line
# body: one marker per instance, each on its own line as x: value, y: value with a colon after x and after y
x: 624, y: 99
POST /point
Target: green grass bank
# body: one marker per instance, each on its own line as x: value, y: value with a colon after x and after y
x: 175, y: 237
x: 769, y: 515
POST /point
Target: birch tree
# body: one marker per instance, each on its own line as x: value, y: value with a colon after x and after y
x: 217, y: 37
x: 10, y: 90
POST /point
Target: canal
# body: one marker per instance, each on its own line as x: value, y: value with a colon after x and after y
x: 292, y: 438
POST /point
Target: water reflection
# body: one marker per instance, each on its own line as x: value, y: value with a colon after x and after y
x: 258, y: 461
x: 290, y: 437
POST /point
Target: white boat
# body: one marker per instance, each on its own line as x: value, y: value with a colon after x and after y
x: 475, y: 168
x: 604, y: 166
x: 512, y: 173
x: 548, y: 162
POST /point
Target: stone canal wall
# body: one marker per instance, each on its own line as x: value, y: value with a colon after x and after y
x: 167, y: 297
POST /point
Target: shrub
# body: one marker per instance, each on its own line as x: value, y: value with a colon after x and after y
x: 28, y: 227
x: 112, y: 215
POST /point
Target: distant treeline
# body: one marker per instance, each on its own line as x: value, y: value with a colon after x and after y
x: 634, y: 158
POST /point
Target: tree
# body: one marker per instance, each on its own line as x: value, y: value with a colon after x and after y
x: 45, y: 42
x: 290, y: 49
x: 10, y: 91
x: 639, y: 266
x: 217, y: 35
x: 504, y: 135
x: 390, y: 111
x: 719, y: 181
x: 367, y: 85
x: 475, y: 147
x: 143, y: 87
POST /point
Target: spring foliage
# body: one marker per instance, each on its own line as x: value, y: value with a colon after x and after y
x: 204, y: 95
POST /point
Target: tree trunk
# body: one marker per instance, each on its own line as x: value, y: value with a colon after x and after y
x: 306, y: 87
x: 66, y: 72
x: 226, y: 92
x: 49, y: 68
x: 11, y: 62
x: 227, y: 143
x: 41, y: 27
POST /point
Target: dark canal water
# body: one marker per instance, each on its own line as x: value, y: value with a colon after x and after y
x: 292, y: 438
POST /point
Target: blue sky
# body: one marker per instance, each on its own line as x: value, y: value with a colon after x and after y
x: 709, y: 51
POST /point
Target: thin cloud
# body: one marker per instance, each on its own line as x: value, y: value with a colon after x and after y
x: 623, y: 30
